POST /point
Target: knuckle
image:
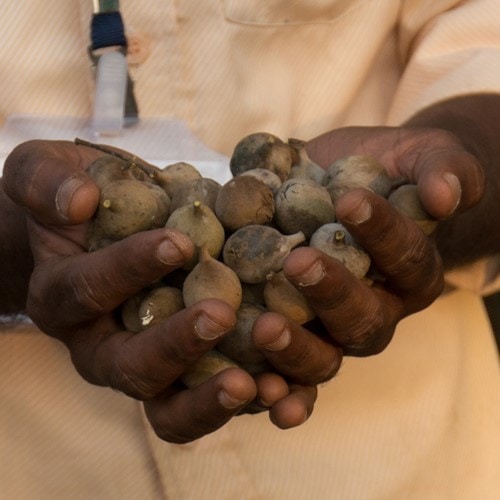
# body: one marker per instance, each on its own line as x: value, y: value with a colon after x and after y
x: 422, y: 288
x: 179, y: 354
x: 416, y: 263
x: 125, y: 377
x: 16, y: 174
x: 302, y: 366
x: 19, y: 155
x: 36, y: 307
x: 410, y: 258
x: 324, y: 372
x: 367, y: 333
x: 165, y: 432
x: 372, y: 346
x: 339, y: 294
x: 331, y: 369
x: 131, y: 385
x: 313, y: 363
x: 87, y: 294
x: 177, y: 429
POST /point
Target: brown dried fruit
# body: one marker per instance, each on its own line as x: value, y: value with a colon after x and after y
x: 261, y: 150
x: 302, y: 166
x: 207, y: 366
x: 238, y: 344
x: 126, y: 207
x: 357, y: 171
x: 270, y: 179
x: 171, y: 177
x: 302, y: 205
x: 203, y: 228
x: 242, y: 201
x: 159, y: 304
x: 211, y: 279
x: 130, y: 312
x: 255, y: 251
x: 200, y: 189
x: 282, y: 297
x: 406, y: 200
x: 334, y: 240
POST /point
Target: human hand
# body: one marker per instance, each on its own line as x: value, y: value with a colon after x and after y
x: 359, y: 317
x: 74, y: 295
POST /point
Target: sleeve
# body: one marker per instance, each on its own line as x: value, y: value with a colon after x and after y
x: 449, y: 48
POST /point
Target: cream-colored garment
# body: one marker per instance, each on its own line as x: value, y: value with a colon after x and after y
x: 421, y: 420
x: 228, y: 66
x: 231, y: 67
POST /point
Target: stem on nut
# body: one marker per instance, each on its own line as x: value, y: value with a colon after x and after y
x: 130, y: 159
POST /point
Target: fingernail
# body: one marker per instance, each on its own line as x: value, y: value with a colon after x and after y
x: 263, y: 404
x: 65, y: 194
x: 455, y: 188
x: 169, y: 253
x: 306, y: 416
x: 313, y: 275
x: 281, y: 342
x: 228, y: 401
x: 360, y: 213
x: 207, y: 329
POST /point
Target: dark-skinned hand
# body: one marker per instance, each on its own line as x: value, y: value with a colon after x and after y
x: 74, y: 295
x: 362, y: 318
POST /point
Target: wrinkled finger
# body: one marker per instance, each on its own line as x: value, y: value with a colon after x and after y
x: 400, y: 250
x: 87, y: 285
x: 190, y: 414
x: 302, y: 356
x: 143, y: 365
x: 448, y: 176
x: 294, y: 409
x: 48, y: 179
x: 271, y: 387
x: 358, y: 317
x: 448, y: 180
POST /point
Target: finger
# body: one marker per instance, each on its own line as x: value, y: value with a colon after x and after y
x: 87, y: 285
x: 294, y: 409
x: 448, y: 176
x: 358, y: 317
x: 448, y: 181
x: 143, y: 365
x: 48, y: 179
x: 191, y: 414
x: 400, y: 250
x: 295, y: 352
x: 271, y: 387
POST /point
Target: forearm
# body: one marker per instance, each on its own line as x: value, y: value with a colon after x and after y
x: 16, y: 262
x: 475, y: 120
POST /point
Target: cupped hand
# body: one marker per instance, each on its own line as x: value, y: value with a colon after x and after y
x: 302, y: 358
x: 74, y: 296
x: 359, y: 317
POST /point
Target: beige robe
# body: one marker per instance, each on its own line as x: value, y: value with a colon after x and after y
x: 419, y: 421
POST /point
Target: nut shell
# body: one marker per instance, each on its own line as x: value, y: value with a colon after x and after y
x: 255, y: 251
x: 302, y: 205
x: 242, y: 201
x: 357, y: 171
x: 262, y: 150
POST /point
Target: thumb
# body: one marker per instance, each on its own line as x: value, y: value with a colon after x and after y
x: 449, y: 181
x: 48, y: 179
